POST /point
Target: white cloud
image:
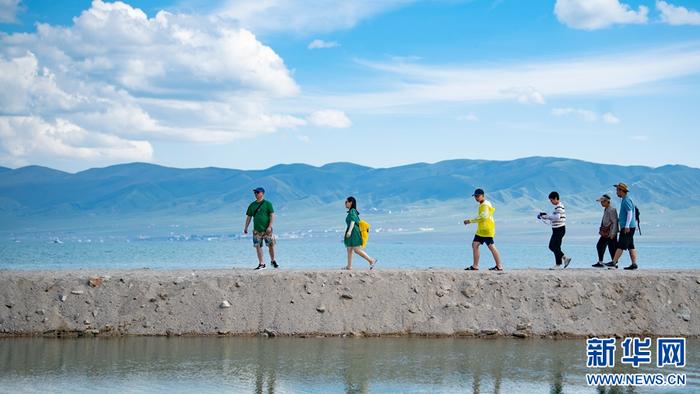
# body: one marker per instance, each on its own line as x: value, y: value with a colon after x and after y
x: 588, y: 116
x: 409, y: 84
x: 330, y: 118
x: 304, y: 16
x: 320, y: 44
x: 9, y: 10
x: 610, y: 118
x: 677, y: 15
x: 27, y: 138
x: 25, y: 87
x: 120, y: 75
x: 598, y: 14
x: 167, y: 53
x: 525, y: 95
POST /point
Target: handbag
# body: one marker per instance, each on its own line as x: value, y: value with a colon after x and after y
x: 604, y: 231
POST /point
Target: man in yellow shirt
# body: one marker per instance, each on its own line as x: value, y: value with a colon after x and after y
x: 485, y: 231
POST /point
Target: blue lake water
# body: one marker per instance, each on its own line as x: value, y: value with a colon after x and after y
x: 312, y: 365
x: 316, y: 253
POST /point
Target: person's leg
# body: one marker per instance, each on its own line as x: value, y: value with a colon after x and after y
x: 618, y: 254
x: 349, y: 266
x: 612, y: 246
x: 271, y: 249
x: 623, y: 243
x: 363, y: 254
x: 259, y: 251
x: 555, y: 245
x: 496, y: 256
x: 633, y: 251
x: 552, y: 242
x: 475, y: 254
x: 600, y: 247
x: 565, y: 259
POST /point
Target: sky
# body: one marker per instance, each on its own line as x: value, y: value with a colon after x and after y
x: 253, y: 83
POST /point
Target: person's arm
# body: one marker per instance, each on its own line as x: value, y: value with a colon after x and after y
x: 552, y: 217
x: 482, y: 215
x: 629, y: 209
x: 350, y: 227
x: 629, y: 220
x: 272, y: 220
x: 247, y: 223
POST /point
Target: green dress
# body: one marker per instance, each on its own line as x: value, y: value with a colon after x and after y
x: 355, y: 239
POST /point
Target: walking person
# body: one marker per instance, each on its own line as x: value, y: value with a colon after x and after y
x: 263, y: 215
x: 485, y: 231
x: 627, y: 220
x: 607, y: 231
x: 353, y: 238
x: 558, y: 221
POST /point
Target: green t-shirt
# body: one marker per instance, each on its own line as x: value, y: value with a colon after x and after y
x: 262, y: 217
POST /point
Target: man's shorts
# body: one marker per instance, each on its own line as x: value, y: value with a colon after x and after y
x: 626, y: 241
x: 483, y: 240
x: 260, y: 237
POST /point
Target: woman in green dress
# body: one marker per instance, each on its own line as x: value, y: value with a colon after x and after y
x: 353, y: 238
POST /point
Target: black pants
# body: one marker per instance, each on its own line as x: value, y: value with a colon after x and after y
x: 555, y: 243
x: 611, y: 243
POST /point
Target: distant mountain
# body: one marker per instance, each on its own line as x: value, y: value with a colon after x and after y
x: 138, y: 188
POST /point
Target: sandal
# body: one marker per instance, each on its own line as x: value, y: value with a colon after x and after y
x: 471, y: 268
x: 371, y: 266
x: 495, y: 269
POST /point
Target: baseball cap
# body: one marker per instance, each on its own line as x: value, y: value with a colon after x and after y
x: 478, y: 192
x: 622, y: 186
x: 603, y: 197
x: 259, y: 189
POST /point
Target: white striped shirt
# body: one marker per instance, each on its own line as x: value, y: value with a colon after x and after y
x: 558, y: 217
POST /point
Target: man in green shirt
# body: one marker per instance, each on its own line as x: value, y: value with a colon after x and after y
x: 263, y: 216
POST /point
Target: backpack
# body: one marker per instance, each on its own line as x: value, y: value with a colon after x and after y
x: 636, y: 217
x: 364, y: 231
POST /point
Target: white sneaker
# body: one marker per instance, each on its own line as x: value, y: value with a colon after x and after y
x: 555, y: 267
x: 567, y: 260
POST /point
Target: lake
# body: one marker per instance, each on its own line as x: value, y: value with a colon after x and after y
x: 308, y: 365
x: 311, y: 253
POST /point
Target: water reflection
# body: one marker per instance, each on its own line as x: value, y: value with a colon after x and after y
x: 316, y: 365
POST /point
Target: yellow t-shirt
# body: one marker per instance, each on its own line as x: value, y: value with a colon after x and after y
x: 486, y: 224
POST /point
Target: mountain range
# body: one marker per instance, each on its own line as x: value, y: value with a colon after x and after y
x: 138, y: 189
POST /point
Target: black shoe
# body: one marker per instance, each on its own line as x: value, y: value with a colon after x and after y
x: 598, y: 265
x: 611, y: 264
x: 631, y: 267
x: 260, y: 267
x: 274, y: 264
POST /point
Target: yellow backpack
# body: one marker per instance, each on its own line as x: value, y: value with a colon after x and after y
x: 364, y: 232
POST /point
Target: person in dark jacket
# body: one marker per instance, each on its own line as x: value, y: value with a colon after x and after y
x: 607, y: 231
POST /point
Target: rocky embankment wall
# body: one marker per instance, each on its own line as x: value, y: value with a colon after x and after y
x: 384, y: 302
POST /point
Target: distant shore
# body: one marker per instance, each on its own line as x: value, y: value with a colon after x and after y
x: 521, y: 303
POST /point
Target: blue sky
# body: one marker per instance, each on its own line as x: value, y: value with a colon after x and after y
x: 249, y: 84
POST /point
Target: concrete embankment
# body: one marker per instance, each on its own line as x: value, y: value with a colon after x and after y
x: 324, y: 302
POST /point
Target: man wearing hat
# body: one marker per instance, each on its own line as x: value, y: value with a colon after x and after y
x: 608, y: 231
x: 263, y: 216
x: 628, y: 223
x: 485, y: 231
